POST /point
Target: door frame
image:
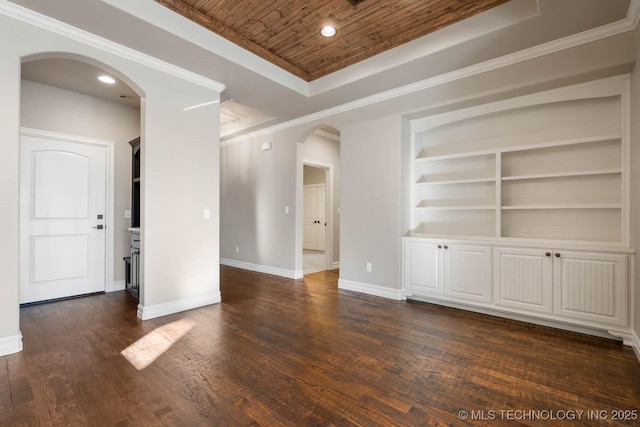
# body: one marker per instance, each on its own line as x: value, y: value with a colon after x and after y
x: 109, y: 147
x: 328, y: 206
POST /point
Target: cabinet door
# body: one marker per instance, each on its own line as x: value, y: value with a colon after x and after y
x: 422, y: 264
x: 467, y: 272
x: 591, y: 287
x: 523, y: 279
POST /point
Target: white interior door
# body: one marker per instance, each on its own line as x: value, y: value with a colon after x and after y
x: 62, y: 218
x: 321, y: 213
x: 309, y: 232
x: 314, y: 217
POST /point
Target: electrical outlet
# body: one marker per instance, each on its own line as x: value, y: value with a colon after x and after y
x: 237, y: 250
x: 369, y: 267
x: 127, y: 214
x: 206, y: 214
x: 286, y: 209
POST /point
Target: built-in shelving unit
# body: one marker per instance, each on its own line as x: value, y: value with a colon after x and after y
x: 522, y: 207
x: 537, y: 169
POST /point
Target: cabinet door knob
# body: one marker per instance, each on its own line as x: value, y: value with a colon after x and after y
x: 557, y: 255
x: 446, y: 247
x: 548, y: 254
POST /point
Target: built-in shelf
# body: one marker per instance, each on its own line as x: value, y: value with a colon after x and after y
x: 457, y: 181
x: 457, y: 208
x: 563, y: 174
x: 550, y: 166
x: 565, y: 206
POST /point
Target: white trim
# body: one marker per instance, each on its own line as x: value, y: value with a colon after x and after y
x: 625, y: 336
x: 329, y: 208
x: 328, y: 135
x: 366, y: 288
x: 635, y: 343
x: 167, y: 308
x: 109, y: 146
x: 57, y: 27
x: 574, y: 40
x: 335, y: 265
x: 276, y: 271
x: 120, y: 285
x: 10, y: 344
x: 582, y: 329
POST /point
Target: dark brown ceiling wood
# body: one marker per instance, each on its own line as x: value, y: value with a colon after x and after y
x: 286, y: 32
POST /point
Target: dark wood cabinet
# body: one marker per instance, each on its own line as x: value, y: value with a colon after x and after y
x: 135, y: 182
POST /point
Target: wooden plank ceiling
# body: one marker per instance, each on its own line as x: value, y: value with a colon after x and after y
x: 286, y: 32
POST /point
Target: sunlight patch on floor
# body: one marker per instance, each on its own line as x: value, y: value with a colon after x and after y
x: 147, y: 349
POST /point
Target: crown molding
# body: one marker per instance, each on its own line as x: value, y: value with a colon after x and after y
x: 52, y: 25
x: 624, y: 25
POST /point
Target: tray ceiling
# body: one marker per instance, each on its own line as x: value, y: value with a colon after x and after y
x: 286, y: 32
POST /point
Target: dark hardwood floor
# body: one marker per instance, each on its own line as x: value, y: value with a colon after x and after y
x: 301, y: 353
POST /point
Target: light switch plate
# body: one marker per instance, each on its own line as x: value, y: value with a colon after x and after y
x: 207, y: 214
x: 127, y: 214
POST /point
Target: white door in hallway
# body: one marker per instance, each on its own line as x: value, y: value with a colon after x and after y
x: 314, y: 217
x: 62, y: 218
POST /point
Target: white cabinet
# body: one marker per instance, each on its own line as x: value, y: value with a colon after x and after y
x: 578, y: 287
x: 457, y: 272
x: 591, y: 287
x: 588, y: 287
x: 523, y: 279
x: 422, y: 266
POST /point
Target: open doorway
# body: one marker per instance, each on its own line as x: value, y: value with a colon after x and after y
x: 318, y: 233
x: 75, y: 159
x: 314, y: 238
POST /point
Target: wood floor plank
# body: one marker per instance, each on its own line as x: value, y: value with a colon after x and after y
x: 282, y: 352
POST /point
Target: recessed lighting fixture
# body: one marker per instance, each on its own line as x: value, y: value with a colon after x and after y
x: 107, y: 79
x: 328, y: 31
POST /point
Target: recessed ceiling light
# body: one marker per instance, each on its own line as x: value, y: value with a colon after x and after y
x: 107, y: 79
x: 328, y: 31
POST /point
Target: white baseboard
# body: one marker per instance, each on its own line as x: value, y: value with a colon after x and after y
x: 11, y: 344
x: 335, y: 265
x: 365, y: 288
x: 289, y: 274
x: 120, y: 285
x: 165, y: 309
x: 624, y: 335
x: 635, y: 344
x: 298, y: 274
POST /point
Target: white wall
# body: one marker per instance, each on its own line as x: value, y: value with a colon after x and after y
x: 180, y: 174
x: 57, y: 110
x: 635, y: 177
x: 256, y: 186
x: 327, y: 151
x: 371, y: 189
x: 10, y: 339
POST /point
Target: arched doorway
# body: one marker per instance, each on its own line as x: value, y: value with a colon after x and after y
x: 64, y: 103
x: 318, y: 201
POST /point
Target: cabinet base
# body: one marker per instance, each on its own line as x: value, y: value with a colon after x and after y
x: 624, y: 335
